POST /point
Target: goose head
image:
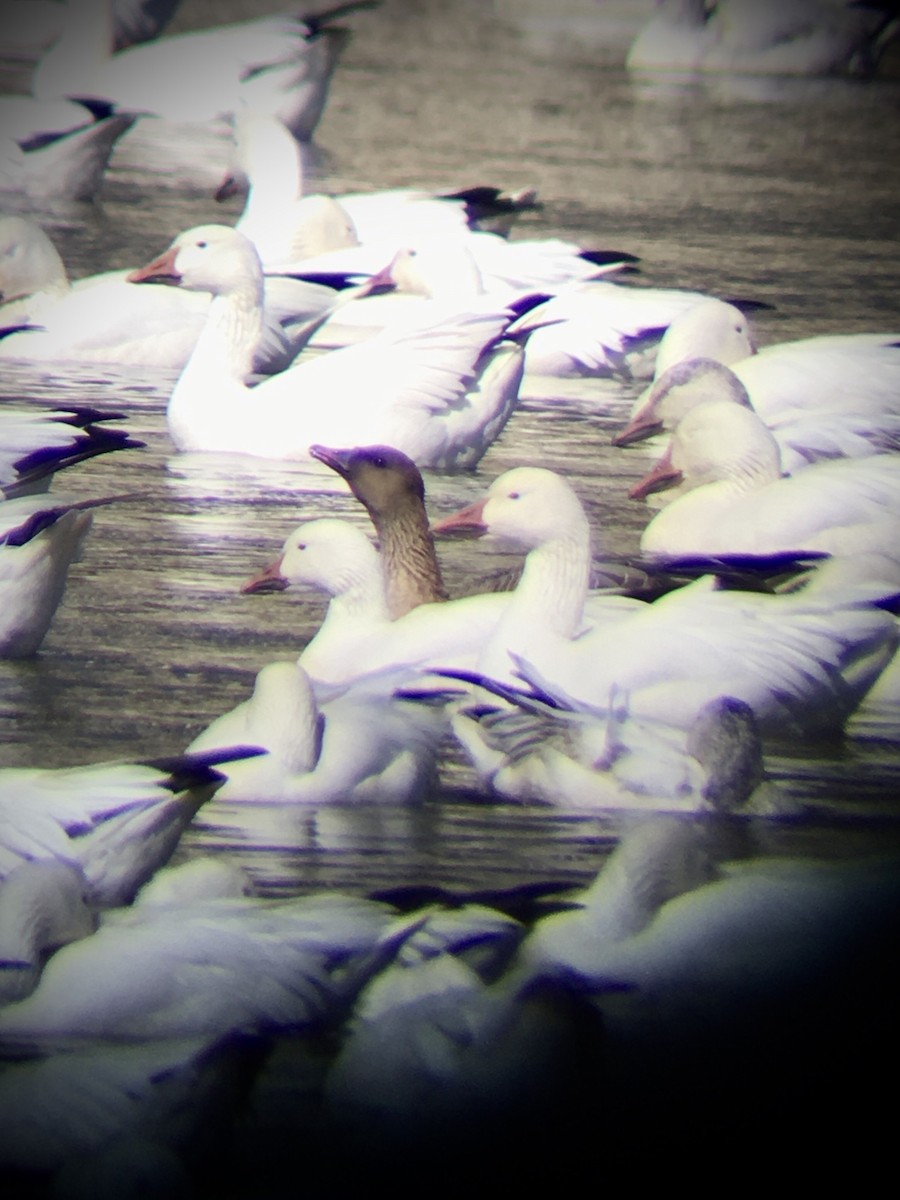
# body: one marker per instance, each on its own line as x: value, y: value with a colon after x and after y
x: 725, y: 740
x: 438, y: 272
x: 718, y: 441
x: 709, y: 329
x: 207, y: 258
x: 529, y: 506
x: 676, y: 391
x: 328, y: 554
x: 386, y: 481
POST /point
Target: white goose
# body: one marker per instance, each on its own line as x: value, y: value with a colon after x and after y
x: 278, y: 63
x: 360, y: 746
x: 578, y: 758
x: 803, y: 435
x: 736, y: 500
x: 204, y: 968
x: 800, y: 664
x: 440, y: 393
x: 118, y: 822
x: 761, y: 37
x: 40, y: 538
x: 287, y: 223
x: 842, y: 382
x: 103, y: 318
x: 54, y: 169
x: 357, y: 637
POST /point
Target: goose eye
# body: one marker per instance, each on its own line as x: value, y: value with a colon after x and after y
x: 514, y: 495
x: 202, y: 245
x: 379, y: 461
x: 301, y: 545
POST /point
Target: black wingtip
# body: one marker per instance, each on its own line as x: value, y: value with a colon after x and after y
x: 606, y: 258
x: 193, y: 769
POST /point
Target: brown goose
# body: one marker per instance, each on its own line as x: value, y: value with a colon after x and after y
x: 390, y: 486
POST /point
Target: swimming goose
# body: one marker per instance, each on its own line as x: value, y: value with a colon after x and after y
x: 736, y: 500
x: 205, y: 968
x: 35, y: 444
x: 762, y: 37
x: 103, y: 318
x: 54, y: 169
x: 40, y: 537
x: 571, y: 756
x: 357, y: 636
x: 389, y: 485
x: 441, y: 393
x: 801, y: 665
x: 277, y: 63
x: 288, y: 222
x: 454, y: 269
x: 849, y: 376
x: 360, y: 746
x: 43, y: 906
x: 118, y: 822
x: 803, y: 435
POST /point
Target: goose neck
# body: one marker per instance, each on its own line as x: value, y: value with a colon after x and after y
x: 361, y: 595
x: 412, y: 572
x: 232, y: 332
x: 554, y: 584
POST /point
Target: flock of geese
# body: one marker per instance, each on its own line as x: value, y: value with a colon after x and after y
x: 146, y: 1009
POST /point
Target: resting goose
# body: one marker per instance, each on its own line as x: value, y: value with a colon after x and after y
x: 800, y: 665
x: 735, y: 499
x: 103, y: 318
x: 360, y: 746
x: 117, y: 822
x: 441, y: 393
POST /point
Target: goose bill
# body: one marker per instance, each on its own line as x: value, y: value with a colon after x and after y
x: 269, y: 579
x: 161, y: 270
x: 468, y: 521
